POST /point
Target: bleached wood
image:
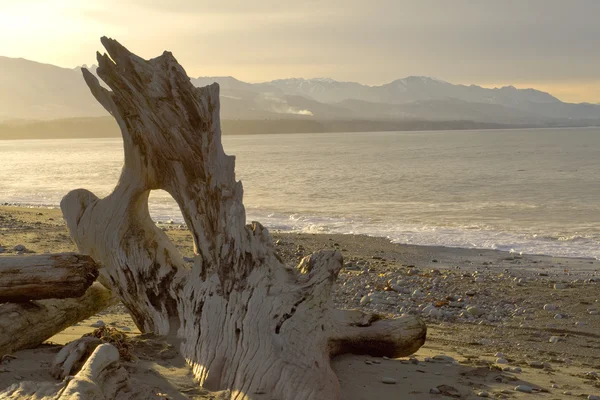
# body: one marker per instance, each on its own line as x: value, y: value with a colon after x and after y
x: 26, y: 325
x: 242, y: 319
x: 100, y: 378
x: 72, y: 355
x: 46, y: 276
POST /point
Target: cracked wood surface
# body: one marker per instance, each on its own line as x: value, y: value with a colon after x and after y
x: 45, y: 276
x: 27, y: 325
x: 243, y: 320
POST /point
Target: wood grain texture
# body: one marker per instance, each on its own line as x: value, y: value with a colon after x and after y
x: 45, y: 276
x: 27, y: 325
x: 243, y: 320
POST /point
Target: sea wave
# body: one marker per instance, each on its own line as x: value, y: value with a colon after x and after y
x: 472, y: 236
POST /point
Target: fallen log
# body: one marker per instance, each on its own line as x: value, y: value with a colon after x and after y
x: 241, y: 318
x: 27, y: 325
x: 46, y: 276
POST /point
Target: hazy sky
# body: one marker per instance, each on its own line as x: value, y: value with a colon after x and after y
x: 548, y: 44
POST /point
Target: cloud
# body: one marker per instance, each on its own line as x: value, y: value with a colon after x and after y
x: 371, y: 42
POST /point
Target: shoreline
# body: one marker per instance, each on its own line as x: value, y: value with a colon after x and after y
x: 467, y: 250
x: 487, y: 312
x: 113, y: 132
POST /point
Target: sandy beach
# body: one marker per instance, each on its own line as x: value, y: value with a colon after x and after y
x: 496, y: 321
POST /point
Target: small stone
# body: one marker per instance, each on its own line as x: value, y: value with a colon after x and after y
x: 471, y: 292
x: 19, y: 247
x: 365, y: 300
x: 435, y: 391
x: 443, y: 358
x: 550, y: 307
x: 568, y: 392
x: 524, y: 389
x: 483, y: 394
x: 593, y: 397
x: 436, y: 313
x: 475, y: 311
x: 536, y: 364
x: 125, y: 329
x: 388, y: 381
x: 501, y: 361
x: 560, y: 286
x: 554, y: 339
x: 98, y: 324
x: 499, y: 355
x: 579, y: 324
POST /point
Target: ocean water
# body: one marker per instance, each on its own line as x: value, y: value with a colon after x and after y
x: 527, y: 191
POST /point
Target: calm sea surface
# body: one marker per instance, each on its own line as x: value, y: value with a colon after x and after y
x: 530, y: 191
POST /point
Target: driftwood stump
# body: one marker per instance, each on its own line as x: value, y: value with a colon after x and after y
x: 242, y: 319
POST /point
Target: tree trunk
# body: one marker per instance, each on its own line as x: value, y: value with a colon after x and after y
x: 27, y: 325
x: 243, y: 319
x: 47, y: 276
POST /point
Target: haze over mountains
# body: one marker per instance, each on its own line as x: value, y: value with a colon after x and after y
x: 30, y: 90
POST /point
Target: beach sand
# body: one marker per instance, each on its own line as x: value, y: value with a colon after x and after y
x: 476, y: 303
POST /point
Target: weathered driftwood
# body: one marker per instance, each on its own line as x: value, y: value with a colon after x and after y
x: 72, y: 355
x: 243, y: 319
x: 26, y: 325
x: 46, y: 276
x: 100, y: 378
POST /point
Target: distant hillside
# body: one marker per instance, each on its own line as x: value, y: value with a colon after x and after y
x: 31, y: 90
x: 34, y: 91
x: 106, y: 127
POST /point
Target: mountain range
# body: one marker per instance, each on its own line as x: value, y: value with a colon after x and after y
x: 35, y: 91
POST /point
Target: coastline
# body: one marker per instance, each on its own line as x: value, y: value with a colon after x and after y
x: 586, y: 265
x: 476, y: 303
x: 105, y: 128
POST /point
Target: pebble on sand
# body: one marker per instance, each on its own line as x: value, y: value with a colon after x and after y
x: 98, y: 324
x: 524, y: 389
x: 388, y: 381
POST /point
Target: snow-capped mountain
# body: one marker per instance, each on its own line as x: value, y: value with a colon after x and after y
x: 31, y: 90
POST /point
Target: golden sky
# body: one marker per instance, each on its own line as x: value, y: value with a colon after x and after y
x: 551, y: 45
